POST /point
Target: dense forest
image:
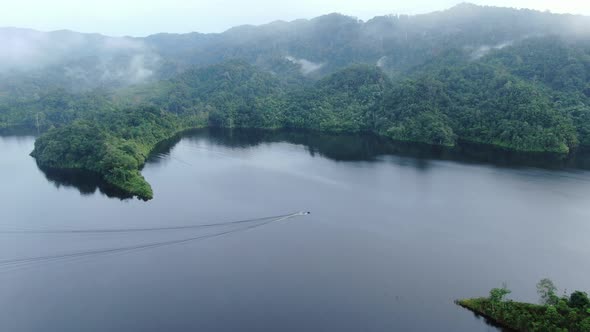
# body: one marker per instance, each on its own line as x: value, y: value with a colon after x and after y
x: 554, y: 313
x: 113, y: 144
x: 516, y: 79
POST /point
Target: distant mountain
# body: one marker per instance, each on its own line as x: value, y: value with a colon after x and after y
x: 305, y: 48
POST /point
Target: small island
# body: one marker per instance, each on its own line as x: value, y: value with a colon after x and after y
x: 554, y: 313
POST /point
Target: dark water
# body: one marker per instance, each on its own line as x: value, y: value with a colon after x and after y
x: 397, y: 232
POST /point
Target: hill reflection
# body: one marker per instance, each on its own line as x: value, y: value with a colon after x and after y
x: 342, y: 148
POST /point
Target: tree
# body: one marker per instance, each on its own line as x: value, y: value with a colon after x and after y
x: 579, y: 300
x: 498, y: 294
x: 546, y: 290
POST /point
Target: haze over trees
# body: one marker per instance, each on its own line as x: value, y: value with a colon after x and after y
x: 517, y: 79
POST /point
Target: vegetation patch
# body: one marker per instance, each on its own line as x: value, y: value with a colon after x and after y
x: 566, y: 313
x: 116, y: 148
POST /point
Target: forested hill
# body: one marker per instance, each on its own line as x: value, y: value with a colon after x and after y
x: 34, y: 60
x: 397, y: 43
x: 517, y: 79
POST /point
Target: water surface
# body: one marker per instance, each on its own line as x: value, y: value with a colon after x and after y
x: 397, y: 232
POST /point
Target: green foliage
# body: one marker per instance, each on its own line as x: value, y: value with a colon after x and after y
x: 579, y: 300
x: 481, y: 103
x: 497, y: 294
x: 347, y: 101
x: 75, y: 146
x: 50, y: 108
x: 113, y: 144
x: 564, y: 316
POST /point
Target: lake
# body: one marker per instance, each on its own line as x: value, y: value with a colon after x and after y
x: 396, y: 233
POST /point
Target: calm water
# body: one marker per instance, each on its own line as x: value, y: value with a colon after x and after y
x: 395, y: 235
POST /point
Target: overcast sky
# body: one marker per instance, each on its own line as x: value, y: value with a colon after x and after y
x: 144, y: 17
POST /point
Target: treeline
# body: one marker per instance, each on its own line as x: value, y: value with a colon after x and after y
x: 51, y: 108
x: 553, y: 314
x: 477, y: 102
x: 480, y: 101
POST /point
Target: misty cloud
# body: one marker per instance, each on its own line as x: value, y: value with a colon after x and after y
x: 482, y: 50
x: 381, y: 63
x: 140, y: 65
x: 24, y: 49
x: 136, y: 70
x: 87, y: 59
x: 306, y: 67
x: 124, y: 61
x: 123, y: 43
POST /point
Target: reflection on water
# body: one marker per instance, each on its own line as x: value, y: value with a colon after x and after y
x: 335, y: 147
x: 18, y: 132
x: 86, y: 182
x: 369, y: 148
x: 491, y: 323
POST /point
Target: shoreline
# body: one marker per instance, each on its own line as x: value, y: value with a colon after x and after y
x: 138, y: 187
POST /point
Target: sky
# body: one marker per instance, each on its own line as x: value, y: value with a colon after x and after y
x: 144, y: 17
